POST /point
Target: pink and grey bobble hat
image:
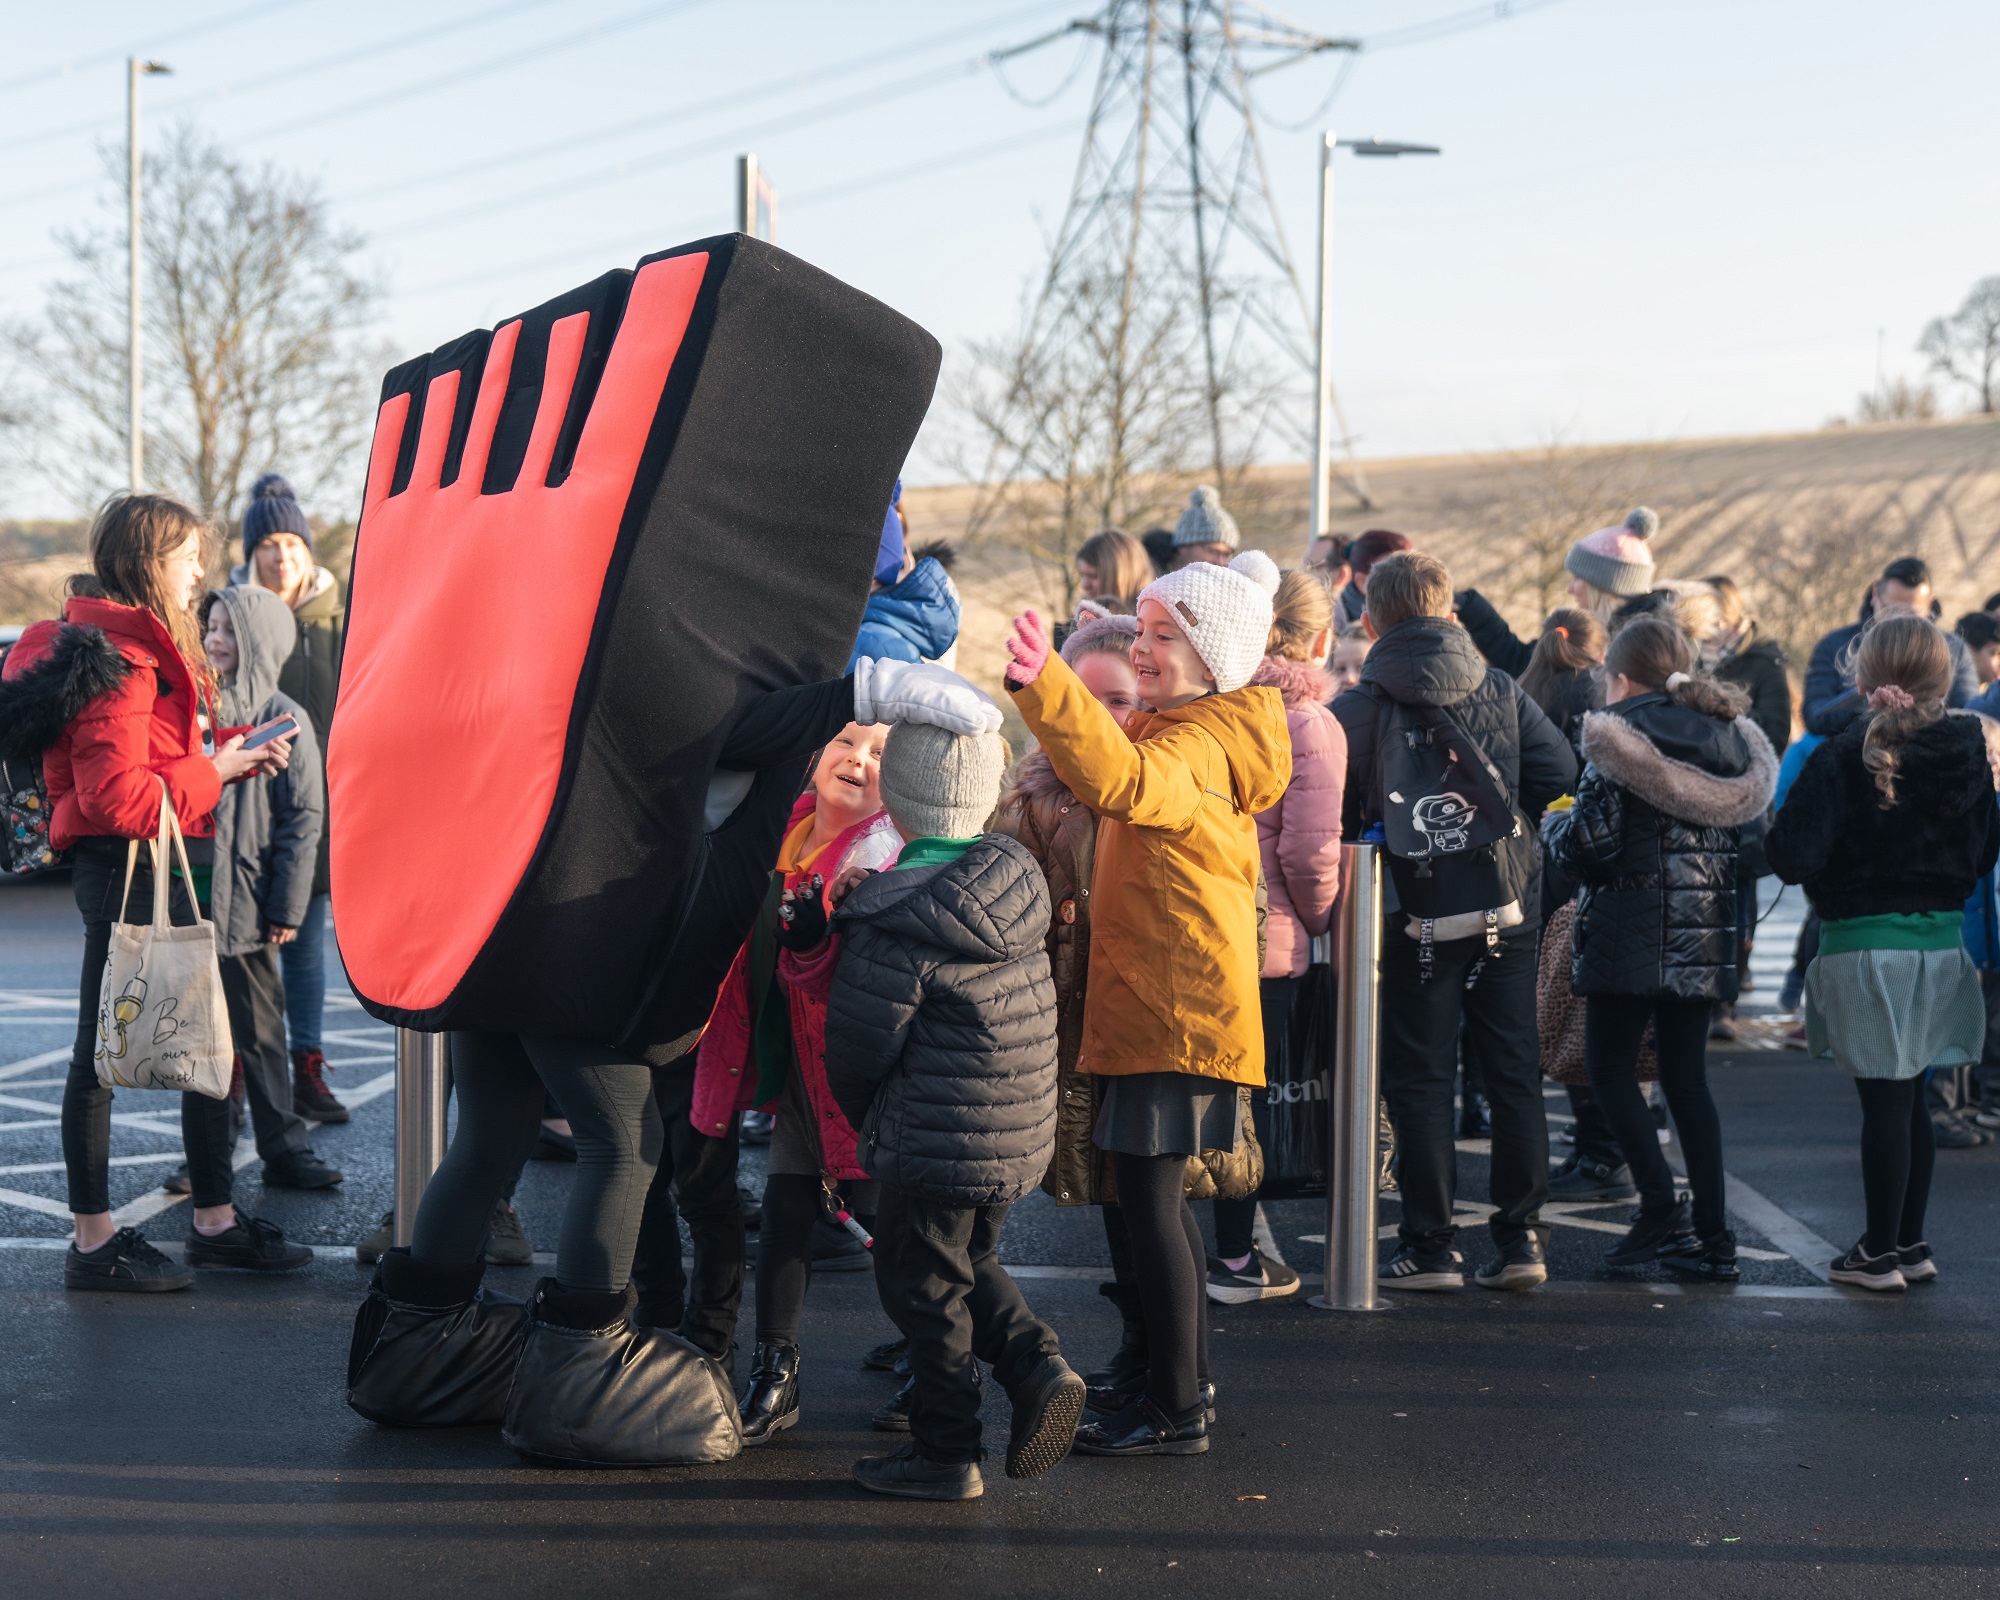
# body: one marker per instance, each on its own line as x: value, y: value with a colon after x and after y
x: 1224, y: 611
x: 1618, y: 560
x: 1094, y: 622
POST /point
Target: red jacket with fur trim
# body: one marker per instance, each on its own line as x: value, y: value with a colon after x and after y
x: 114, y: 708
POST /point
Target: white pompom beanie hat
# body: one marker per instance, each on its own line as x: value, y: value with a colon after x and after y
x: 1224, y: 611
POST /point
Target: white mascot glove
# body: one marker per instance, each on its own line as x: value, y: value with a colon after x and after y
x: 917, y: 691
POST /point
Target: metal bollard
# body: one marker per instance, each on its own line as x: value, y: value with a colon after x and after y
x: 420, y: 1062
x: 1351, y: 1096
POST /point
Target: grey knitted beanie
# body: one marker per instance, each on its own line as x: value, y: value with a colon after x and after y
x: 938, y: 784
x: 1205, y: 522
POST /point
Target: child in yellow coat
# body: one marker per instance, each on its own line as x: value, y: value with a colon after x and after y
x: 1171, y: 1015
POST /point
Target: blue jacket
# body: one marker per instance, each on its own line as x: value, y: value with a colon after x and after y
x: 1987, y: 701
x: 1831, y: 700
x: 1982, y: 923
x: 916, y: 620
x: 1788, y: 769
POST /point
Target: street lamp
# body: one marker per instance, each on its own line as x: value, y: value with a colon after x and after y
x: 1322, y: 389
x: 135, y: 69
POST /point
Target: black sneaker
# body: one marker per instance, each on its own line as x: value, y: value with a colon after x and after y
x: 1411, y: 1269
x: 1916, y: 1262
x: 1592, y: 1180
x: 178, y: 1181
x: 1953, y: 1132
x: 1665, y: 1234
x: 124, y: 1264
x: 299, y: 1169
x: 893, y: 1414
x: 1713, y: 1258
x: 1883, y: 1273
x: 908, y: 1476
x: 252, y: 1244
x: 1522, y: 1265
x: 1261, y: 1278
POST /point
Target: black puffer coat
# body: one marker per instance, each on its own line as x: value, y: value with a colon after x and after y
x: 1652, y: 841
x: 1431, y: 661
x: 941, y: 1025
x: 1758, y: 668
x: 1923, y: 854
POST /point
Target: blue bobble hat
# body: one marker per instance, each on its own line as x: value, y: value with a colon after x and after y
x: 889, y: 556
x: 273, y: 509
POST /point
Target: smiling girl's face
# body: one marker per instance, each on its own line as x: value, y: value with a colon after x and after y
x: 1111, y: 682
x: 1169, y: 670
x: 848, y: 779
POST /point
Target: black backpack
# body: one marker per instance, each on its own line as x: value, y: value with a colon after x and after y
x: 1447, y: 818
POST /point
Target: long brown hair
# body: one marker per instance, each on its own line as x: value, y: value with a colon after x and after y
x: 1910, y: 654
x: 1571, y: 641
x: 1651, y: 651
x: 130, y: 540
x: 1302, y: 611
x: 1123, y: 567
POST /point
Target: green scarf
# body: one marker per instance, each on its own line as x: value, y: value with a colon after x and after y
x: 931, y: 851
x: 770, y: 1011
x: 1916, y: 930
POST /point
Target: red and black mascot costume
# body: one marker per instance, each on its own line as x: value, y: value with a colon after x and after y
x: 610, y: 565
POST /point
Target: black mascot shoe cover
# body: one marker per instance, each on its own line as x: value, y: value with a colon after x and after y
x: 598, y: 545
x: 443, y: 1358
x: 615, y: 1396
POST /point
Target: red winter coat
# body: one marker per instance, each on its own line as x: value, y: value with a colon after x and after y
x: 1299, y: 837
x: 725, y: 1070
x: 103, y: 772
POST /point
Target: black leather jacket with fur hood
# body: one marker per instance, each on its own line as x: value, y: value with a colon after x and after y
x: 1652, y: 841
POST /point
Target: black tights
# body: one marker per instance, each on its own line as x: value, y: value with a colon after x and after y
x: 1898, y: 1151
x: 1171, y: 1266
x: 784, y: 1255
x: 1613, y: 1027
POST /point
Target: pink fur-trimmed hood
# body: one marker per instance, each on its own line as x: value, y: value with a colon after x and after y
x: 1298, y: 681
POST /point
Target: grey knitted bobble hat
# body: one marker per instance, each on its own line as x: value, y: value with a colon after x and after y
x: 938, y: 784
x: 1205, y: 522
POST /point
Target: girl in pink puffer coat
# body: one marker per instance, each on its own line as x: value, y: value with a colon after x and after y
x: 1299, y: 839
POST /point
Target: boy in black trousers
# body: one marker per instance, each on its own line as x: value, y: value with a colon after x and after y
x: 941, y: 1049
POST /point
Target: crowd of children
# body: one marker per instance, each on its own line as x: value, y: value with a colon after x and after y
x: 967, y: 981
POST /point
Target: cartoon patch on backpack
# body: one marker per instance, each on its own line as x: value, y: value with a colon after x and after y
x: 1445, y: 821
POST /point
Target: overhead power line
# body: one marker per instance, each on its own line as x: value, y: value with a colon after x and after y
x: 159, y: 41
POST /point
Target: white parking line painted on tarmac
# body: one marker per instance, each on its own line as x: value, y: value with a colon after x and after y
x: 27, y: 1064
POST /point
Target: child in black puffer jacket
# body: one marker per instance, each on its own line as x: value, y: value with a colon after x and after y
x: 1889, y: 826
x: 1675, y: 770
x: 941, y: 1050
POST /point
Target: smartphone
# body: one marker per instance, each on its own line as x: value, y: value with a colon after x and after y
x: 277, y: 728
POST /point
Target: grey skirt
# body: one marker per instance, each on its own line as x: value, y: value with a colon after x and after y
x: 1166, y: 1114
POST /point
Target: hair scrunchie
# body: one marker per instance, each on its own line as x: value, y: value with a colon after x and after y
x: 1891, y: 697
x: 1676, y: 679
x: 1560, y: 631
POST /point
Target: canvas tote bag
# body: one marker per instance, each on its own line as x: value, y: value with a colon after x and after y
x: 162, y: 1022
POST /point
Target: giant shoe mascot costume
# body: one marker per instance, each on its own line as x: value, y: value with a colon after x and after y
x: 609, y: 558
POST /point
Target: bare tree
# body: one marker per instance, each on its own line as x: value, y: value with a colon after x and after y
x: 1965, y: 346
x: 1898, y: 400
x: 256, y: 338
x: 1551, y: 498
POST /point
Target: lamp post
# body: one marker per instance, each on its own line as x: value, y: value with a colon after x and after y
x: 135, y: 435
x: 1322, y: 388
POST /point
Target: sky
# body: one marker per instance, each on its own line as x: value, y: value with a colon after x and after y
x: 1651, y: 219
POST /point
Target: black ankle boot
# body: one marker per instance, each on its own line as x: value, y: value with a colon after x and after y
x: 1143, y: 1429
x: 771, y: 1403
x: 592, y: 1390
x: 1122, y: 1379
x: 1665, y: 1233
x: 431, y: 1349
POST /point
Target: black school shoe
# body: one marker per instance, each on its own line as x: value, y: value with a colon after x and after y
x: 908, y: 1476
x: 124, y: 1264
x: 300, y: 1169
x: 1578, y: 1179
x: 1668, y: 1233
x: 1712, y: 1258
x: 893, y: 1415
x: 885, y: 1357
x: 1047, y: 1409
x: 1145, y: 1430
x: 252, y: 1245
x: 1916, y: 1262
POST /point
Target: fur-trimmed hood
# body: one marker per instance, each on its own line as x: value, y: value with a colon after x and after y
x: 1036, y: 778
x: 1720, y: 774
x: 1299, y: 682
x: 55, y: 670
